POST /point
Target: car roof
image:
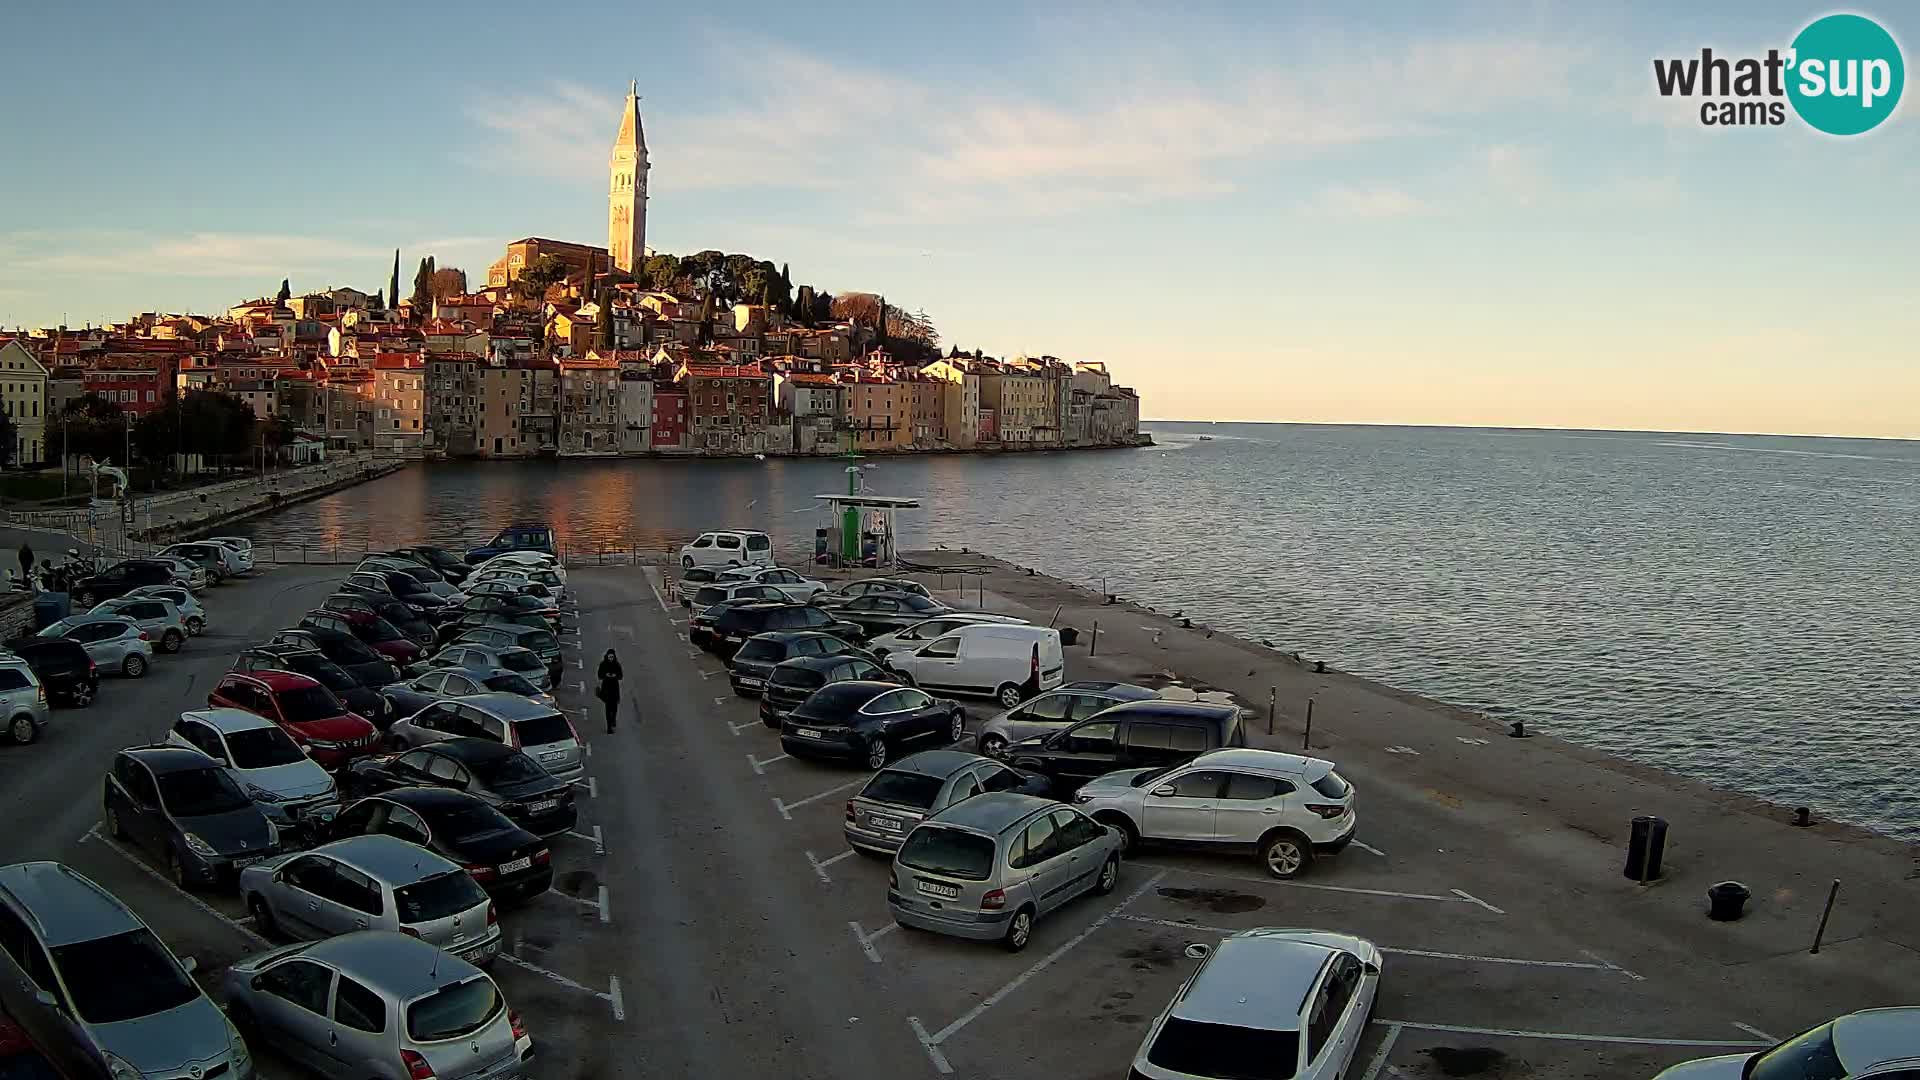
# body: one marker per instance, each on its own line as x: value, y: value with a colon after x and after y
x: 818, y: 663
x: 428, y: 798
x: 66, y: 905
x: 469, y: 750
x: 386, y: 857
x: 1120, y: 690
x: 1276, y: 762
x: 169, y: 759
x: 228, y: 721
x: 1257, y: 979
x: 993, y: 812
x: 280, y: 680
x: 399, y: 964
x: 506, y: 706
x: 1871, y: 1036
x: 937, y: 763
x: 90, y: 617
x: 1158, y: 707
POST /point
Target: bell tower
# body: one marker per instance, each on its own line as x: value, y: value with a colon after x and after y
x: 627, y: 188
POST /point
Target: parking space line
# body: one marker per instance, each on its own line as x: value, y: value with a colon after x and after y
x: 740, y: 727
x: 1603, y: 961
x: 1566, y: 1036
x: 866, y: 940
x: 939, y: 1059
x: 656, y: 595
x: 820, y: 865
x: 683, y: 637
x: 1040, y: 965
x: 156, y: 875
x: 719, y: 701
x: 577, y: 663
x: 581, y: 900
x: 1428, y: 953
x: 760, y: 767
x: 614, y: 999
x: 1380, y: 1056
x: 1472, y: 899
x: 785, y: 808
x: 692, y: 654
x: 606, y: 914
x: 1755, y: 1032
x: 611, y: 995
x: 1458, y: 898
x: 592, y: 786
x: 709, y: 674
x: 1364, y: 846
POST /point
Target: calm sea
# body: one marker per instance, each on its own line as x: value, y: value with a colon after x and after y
x: 1742, y: 609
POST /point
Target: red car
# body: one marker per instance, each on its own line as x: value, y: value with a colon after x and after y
x: 330, y: 733
x: 379, y: 634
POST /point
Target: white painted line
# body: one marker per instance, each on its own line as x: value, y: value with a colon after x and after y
x: 760, y: 767
x: 580, y: 836
x: 587, y: 749
x: 581, y: 900
x: 657, y: 596
x: 784, y: 807
x: 580, y: 685
x: 693, y: 654
x: 866, y: 940
x: 1428, y: 953
x: 614, y: 998
x: 939, y: 1059
x: 1472, y: 899
x: 606, y: 916
x: 1460, y: 899
x: 1403, y: 750
x: 1564, y: 1036
x: 1755, y: 1032
x: 683, y: 637
x: 599, y: 841
x: 820, y: 865
x: 1380, y: 1056
x: 719, y: 701
x: 1470, y: 742
x: 709, y: 674
x: 744, y: 725
x: 577, y: 663
x: 1611, y: 966
x: 553, y: 976
x: 1364, y: 846
x: 156, y: 875
x: 1042, y: 964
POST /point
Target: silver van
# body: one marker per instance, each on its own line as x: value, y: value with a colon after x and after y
x: 539, y: 730
x: 988, y: 867
x: 375, y: 882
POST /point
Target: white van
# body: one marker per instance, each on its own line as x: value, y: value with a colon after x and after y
x: 730, y: 548
x: 1006, y: 663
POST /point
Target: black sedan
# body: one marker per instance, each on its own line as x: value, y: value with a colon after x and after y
x: 452, y: 631
x: 507, y: 860
x: 438, y: 684
x: 404, y: 619
x: 314, y: 664
x: 356, y: 656
x: 498, y: 775
x: 884, y: 613
x: 450, y: 565
x: 870, y: 721
x: 851, y: 590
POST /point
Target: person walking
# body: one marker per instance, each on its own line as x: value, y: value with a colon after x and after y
x: 26, y: 564
x: 609, y: 693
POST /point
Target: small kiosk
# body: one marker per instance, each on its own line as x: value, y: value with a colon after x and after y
x: 861, y: 530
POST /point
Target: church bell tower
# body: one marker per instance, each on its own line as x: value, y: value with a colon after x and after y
x: 627, y: 189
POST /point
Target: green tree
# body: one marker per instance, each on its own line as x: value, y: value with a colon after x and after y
x: 603, y: 325
x: 157, y: 435
x: 393, y: 286
x: 662, y: 271
x: 423, y: 288
x: 9, y: 438
x: 535, y: 280
x: 91, y: 426
x: 803, y: 305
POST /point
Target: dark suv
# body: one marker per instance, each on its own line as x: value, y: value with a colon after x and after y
x: 119, y: 580
x: 735, y: 625
x: 754, y: 661
x: 792, y: 682
x: 1137, y: 734
x: 62, y: 666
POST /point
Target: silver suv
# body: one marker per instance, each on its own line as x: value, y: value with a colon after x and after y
x: 540, y: 730
x: 161, y: 619
x: 23, y: 701
x: 988, y: 867
x: 1283, y: 807
x: 87, y: 978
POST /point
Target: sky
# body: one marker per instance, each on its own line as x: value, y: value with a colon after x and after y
x: 1399, y: 212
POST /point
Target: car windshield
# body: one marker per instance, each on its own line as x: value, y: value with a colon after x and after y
x: 382, y: 630
x: 916, y: 602
x: 1808, y: 1056
x: 898, y: 788
x: 454, y: 1011
x: 520, y: 660
x: 468, y: 819
x: 755, y: 649
x: 348, y: 650
x: 709, y: 596
x: 200, y: 792
x: 1333, y: 786
x: 509, y: 683
x: 948, y: 852
x: 262, y: 748
x: 507, y: 769
x: 122, y: 977
x: 304, y: 704
x: 323, y: 671
x: 539, y: 639
x: 1225, y: 1051
x: 541, y: 730
x: 800, y: 678
x: 438, y: 897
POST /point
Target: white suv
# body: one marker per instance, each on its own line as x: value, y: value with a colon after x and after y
x: 728, y: 549
x: 1284, y: 807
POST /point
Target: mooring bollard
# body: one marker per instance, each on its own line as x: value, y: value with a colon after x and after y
x: 1802, y: 816
x: 1727, y: 901
x: 1517, y: 729
x: 1821, y: 931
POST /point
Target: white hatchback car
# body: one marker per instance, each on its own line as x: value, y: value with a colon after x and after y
x: 730, y: 548
x: 1267, y: 1003
x: 1284, y: 807
x: 798, y: 589
x: 1863, y: 1045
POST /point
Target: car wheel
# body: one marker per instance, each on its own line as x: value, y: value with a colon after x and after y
x: 686, y: 562
x: 1129, y: 836
x: 877, y: 753
x: 196, y: 626
x: 1109, y: 876
x: 113, y: 824
x: 905, y: 678
x: 177, y: 870
x: 1285, y: 855
x: 994, y: 746
x: 171, y: 641
x: 1019, y: 930
x: 1008, y: 695
x: 957, y: 726
x: 81, y: 696
x: 263, y: 918
x: 134, y: 666
x: 22, y: 730
x: 83, y: 599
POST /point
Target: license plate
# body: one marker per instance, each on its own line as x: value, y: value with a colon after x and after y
x: 806, y: 733
x: 469, y: 955
x: 242, y: 864
x: 553, y: 755
x: 516, y: 865
x: 886, y: 823
x: 934, y: 888
x: 744, y: 681
x: 543, y: 805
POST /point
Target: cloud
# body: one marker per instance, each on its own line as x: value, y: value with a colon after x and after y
x: 1368, y: 202
x: 207, y: 254
x: 1516, y: 172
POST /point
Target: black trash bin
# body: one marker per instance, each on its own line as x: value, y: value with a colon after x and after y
x: 1069, y: 636
x: 1727, y: 901
x: 1645, y: 845
x: 49, y: 608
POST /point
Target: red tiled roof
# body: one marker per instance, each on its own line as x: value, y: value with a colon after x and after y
x: 725, y: 371
x: 812, y: 378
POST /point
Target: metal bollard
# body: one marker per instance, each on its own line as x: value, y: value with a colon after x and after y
x: 1093, y: 646
x: 1306, y: 737
x: 1821, y: 931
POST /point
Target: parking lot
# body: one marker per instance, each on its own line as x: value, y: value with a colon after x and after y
x: 708, y: 918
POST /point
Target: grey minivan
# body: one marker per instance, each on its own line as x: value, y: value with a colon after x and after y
x: 986, y: 868
x: 98, y: 991
x: 184, y: 807
x: 382, y: 1005
x: 534, y: 727
x: 373, y: 882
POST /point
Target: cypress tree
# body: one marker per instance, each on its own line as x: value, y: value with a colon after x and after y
x: 393, y: 286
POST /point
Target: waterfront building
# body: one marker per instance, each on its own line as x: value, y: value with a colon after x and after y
x: 957, y: 424
x: 23, y: 394
x: 728, y: 406
x: 453, y: 402
x: 669, y: 432
x: 590, y: 406
x: 880, y: 414
x: 636, y: 409
x: 399, y: 403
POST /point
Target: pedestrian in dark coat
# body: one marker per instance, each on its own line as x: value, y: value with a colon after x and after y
x: 609, y: 693
x: 26, y: 564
